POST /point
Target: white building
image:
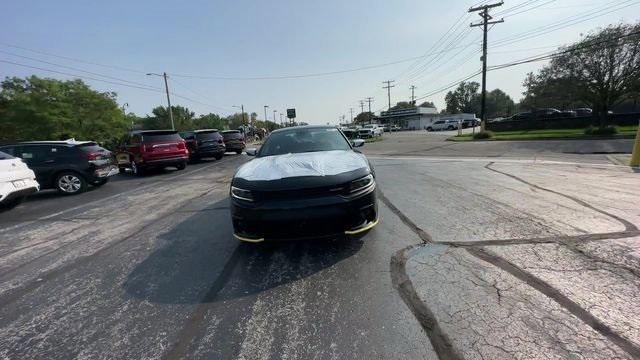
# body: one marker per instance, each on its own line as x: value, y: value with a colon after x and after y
x: 418, y: 118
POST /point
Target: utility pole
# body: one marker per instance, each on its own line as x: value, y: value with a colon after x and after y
x: 265, y: 113
x: 351, y: 111
x: 388, y: 87
x: 244, y: 120
x: 369, y: 100
x: 413, y: 96
x: 361, y: 106
x: 486, y: 21
x: 274, y: 115
x: 166, y: 87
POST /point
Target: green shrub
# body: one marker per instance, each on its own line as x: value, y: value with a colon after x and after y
x: 483, y: 135
x: 601, y: 131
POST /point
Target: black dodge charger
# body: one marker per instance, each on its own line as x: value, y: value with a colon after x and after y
x: 305, y: 182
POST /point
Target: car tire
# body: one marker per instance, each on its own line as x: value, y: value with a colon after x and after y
x: 100, y: 182
x: 70, y: 183
x: 122, y: 170
x: 218, y: 157
x: 238, y: 152
x: 181, y: 166
x: 450, y: 127
x: 429, y: 129
x: 136, y: 169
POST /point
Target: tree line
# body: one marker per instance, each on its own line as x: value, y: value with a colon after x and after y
x: 37, y: 108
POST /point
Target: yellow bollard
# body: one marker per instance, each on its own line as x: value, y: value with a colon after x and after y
x: 635, y: 157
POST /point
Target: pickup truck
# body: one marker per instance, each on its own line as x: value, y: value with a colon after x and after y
x: 370, y: 130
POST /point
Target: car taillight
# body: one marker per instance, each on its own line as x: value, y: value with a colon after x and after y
x: 181, y: 146
x: 93, y: 156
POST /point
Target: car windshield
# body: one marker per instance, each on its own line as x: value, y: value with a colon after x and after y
x: 5, y: 156
x: 304, y: 140
x: 160, y: 136
x: 232, y: 135
x: 209, y: 135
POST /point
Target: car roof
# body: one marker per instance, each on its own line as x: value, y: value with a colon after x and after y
x: 142, y: 132
x: 304, y: 127
x: 71, y: 142
x: 205, y: 130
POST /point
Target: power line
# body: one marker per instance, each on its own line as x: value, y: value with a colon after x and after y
x: 450, y: 85
x: 76, y: 69
x: 105, y: 81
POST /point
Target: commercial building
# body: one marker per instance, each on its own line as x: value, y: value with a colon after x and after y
x: 418, y: 118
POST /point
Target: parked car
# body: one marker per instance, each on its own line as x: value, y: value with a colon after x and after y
x: 68, y: 166
x: 146, y: 149
x: 17, y: 181
x: 370, y: 130
x: 444, y: 125
x: 547, y: 113
x: 305, y: 182
x: 467, y: 123
x: 583, y: 112
x: 520, y: 117
x: 386, y: 128
x: 351, y: 134
x: 234, y: 140
x: 204, y: 143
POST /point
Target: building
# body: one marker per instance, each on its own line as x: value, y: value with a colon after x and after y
x: 418, y: 118
x: 414, y: 118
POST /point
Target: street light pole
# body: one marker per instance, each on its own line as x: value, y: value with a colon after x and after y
x: 166, y: 87
x: 265, y: 112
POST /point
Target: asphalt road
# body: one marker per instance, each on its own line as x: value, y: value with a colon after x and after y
x: 474, y: 257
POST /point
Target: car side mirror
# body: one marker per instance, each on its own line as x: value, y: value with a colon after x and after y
x: 251, y: 152
x: 357, y: 143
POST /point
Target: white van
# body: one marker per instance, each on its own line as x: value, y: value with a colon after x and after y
x: 17, y: 181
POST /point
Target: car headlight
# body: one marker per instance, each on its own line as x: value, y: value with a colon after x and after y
x: 362, y: 184
x: 241, y: 194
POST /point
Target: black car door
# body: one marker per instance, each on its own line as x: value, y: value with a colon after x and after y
x: 41, y: 159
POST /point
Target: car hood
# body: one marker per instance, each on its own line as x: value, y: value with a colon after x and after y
x: 311, y: 164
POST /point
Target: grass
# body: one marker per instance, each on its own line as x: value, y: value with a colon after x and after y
x: 549, y: 134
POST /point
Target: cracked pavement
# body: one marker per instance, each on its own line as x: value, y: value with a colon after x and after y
x: 535, y: 255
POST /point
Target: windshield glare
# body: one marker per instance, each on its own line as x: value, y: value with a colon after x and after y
x: 304, y: 140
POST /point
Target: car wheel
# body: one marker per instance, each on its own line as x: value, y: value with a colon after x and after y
x: 429, y: 129
x: 218, y: 157
x: 450, y: 127
x: 136, y: 169
x: 70, y: 183
x: 122, y: 170
x: 181, y: 166
x: 100, y: 182
x: 238, y: 152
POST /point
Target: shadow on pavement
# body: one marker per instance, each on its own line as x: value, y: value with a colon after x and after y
x: 200, y: 261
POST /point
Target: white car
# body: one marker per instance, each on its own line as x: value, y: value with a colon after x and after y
x: 17, y: 181
x: 370, y: 130
x: 444, y: 125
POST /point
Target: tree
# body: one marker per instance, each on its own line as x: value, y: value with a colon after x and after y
x: 182, y: 118
x: 463, y: 99
x: 428, y: 104
x: 235, y: 120
x: 402, y: 105
x: 363, y: 118
x: 602, y: 70
x: 499, y: 104
x: 47, y: 109
x: 209, y: 121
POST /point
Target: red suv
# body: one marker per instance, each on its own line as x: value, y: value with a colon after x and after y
x: 145, y: 149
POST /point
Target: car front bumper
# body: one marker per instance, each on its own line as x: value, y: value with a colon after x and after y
x: 324, y: 217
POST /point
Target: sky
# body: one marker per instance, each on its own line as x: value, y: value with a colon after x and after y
x: 222, y: 54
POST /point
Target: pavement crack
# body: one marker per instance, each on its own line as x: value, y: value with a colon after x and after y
x: 568, y: 304
x: 627, y: 224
